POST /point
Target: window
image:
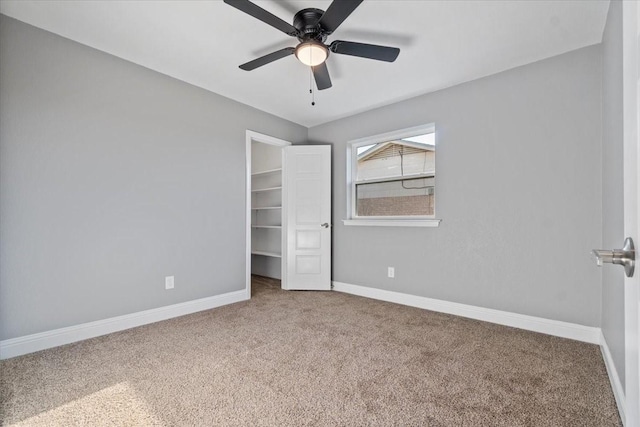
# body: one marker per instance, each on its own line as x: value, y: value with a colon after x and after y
x: 392, y: 178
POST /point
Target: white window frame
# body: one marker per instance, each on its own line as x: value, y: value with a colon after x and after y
x: 352, y: 166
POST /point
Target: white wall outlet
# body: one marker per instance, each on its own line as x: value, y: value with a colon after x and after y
x: 169, y: 282
x: 391, y: 272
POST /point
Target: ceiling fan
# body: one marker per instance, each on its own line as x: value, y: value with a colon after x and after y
x: 312, y: 27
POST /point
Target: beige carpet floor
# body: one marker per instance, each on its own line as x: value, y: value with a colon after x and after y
x: 311, y: 358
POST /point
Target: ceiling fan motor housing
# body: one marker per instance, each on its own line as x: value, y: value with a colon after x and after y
x: 306, y: 22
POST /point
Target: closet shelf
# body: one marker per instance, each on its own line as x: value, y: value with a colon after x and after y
x: 266, y: 182
x: 266, y: 189
x: 266, y: 172
x: 264, y: 253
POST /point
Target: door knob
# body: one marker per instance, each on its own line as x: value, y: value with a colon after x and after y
x: 324, y: 225
x: 625, y: 256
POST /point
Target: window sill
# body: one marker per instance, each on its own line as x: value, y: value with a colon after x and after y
x: 393, y: 222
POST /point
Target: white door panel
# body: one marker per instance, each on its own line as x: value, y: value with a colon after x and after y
x: 307, y: 191
x: 631, y: 97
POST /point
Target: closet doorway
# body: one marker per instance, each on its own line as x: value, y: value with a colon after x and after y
x: 265, y: 238
x: 288, y: 213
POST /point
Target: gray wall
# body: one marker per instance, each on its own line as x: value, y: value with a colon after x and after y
x: 518, y: 189
x: 112, y: 177
x: 612, y: 184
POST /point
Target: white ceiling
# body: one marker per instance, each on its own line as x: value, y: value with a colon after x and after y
x: 443, y: 43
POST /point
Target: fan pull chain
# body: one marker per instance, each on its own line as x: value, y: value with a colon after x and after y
x: 313, y: 95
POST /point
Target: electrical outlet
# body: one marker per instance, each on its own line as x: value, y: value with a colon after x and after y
x: 391, y: 272
x: 169, y: 282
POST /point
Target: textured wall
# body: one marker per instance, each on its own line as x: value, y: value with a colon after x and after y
x: 518, y: 191
x: 112, y: 177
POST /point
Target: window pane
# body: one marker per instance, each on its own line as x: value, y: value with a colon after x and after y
x: 396, y: 178
x: 399, y: 197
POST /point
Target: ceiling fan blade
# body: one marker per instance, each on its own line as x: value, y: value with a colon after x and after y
x: 363, y: 50
x: 264, y: 60
x: 337, y: 12
x: 267, y: 17
x: 321, y: 74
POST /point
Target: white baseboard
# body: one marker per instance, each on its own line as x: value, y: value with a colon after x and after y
x: 537, y: 324
x: 30, y: 343
x: 614, y: 378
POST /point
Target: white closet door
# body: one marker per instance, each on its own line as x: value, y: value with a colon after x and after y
x: 307, y: 190
x: 631, y: 150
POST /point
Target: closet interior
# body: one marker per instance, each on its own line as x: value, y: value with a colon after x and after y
x: 266, y: 210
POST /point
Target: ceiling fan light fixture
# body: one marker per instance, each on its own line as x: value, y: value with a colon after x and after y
x: 311, y: 53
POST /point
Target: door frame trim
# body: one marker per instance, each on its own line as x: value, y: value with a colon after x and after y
x: 253, y: 136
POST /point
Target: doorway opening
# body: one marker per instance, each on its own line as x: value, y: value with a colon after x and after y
x: 264, y: 201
